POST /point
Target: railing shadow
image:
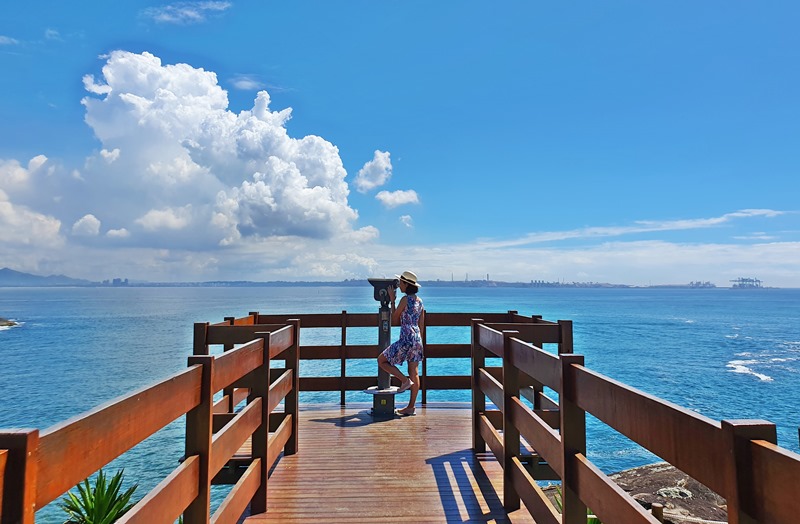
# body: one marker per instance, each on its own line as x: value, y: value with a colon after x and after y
x: 362, y: 418
x: 464, y: 486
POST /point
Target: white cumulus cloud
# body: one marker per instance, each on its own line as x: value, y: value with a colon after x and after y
x: 86, y: 226
x: 242, y: 174
x: 157, y: 219
x: 110, y: 156
x: 118, y: 233
x: 407, y: 220
x: 375, y: 173
x: 392, y: 199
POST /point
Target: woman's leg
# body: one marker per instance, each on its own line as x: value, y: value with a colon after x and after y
x: 389, y: 368
x: 413, y: 375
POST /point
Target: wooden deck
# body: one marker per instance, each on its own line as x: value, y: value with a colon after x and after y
x: 351, y: 468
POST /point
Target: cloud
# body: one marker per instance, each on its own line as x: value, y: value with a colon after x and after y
x: 52, y: 34
x: 118, y: 233
x: 109, y: 156
x: 158, y: 219
x: 175, y: 144
x: 375, y: 173
x: 7, y: 40
x: 23, y: 227
x: 185, y: 13
x: 642, y: 226
x: 246, y: 83
x: 407, y: 221
x: 86, y: 226
x: 397, y: 198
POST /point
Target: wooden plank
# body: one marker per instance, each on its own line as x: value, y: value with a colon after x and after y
x: 3, y: 460
x: 447, y: 351
x: 545, y: 440
x: 689, y: 441
x: 491, y: 340
x: 775, y: 482
x: 74, y: 449
x: 542, y: 332
x: 491, y: 388
x: 540, y: 365
x: 225, y: 443
x: 236, y: 363
x: 278, y: 440
x: 279, y: 388
x: 169, y: 498
x: 227, y: 334
x: 237, y: 500
x: 446, y: 481
x: 492, y: 438
x: 539, y: 506
x: 280, y: 341
x: 20, y: 476
x: 605, y: 498
x: 461, y: 319
x: 324, y: 320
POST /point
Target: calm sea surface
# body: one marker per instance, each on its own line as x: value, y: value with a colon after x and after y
x: 727, y: 354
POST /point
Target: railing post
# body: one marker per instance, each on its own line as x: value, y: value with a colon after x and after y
x: 260, y: 438
x: 229, y: 391
x: 565, y: 344
x: 198, y: 441
x: 573, y: 440
x: 19, y: 484
x: 739, y: 494
x: 423, y: 386
x: 511, y: 444
x: 343, y: 357
x: 200, y: 334
x: 291, y: 405
x: 478, y: 398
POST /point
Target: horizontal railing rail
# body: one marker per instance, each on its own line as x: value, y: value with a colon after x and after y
x: 739, y: 460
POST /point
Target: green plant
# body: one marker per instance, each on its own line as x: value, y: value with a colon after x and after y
x: 590, y: 518
x: 102, y: 503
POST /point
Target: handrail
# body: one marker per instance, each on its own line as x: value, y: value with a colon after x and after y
x: 737, y: 459
x: 36, y: 469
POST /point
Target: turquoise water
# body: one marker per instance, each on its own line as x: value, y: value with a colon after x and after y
x: 723, y: 353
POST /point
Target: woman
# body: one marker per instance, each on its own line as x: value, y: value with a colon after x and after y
x: 411, y: 317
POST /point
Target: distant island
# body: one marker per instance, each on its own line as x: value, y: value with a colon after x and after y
x: 12, y: 278
x: 4, y: 322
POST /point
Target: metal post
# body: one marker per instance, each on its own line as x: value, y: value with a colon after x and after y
x: 383, y: 403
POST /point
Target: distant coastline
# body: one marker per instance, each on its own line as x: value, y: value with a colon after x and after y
x: 12, y: 278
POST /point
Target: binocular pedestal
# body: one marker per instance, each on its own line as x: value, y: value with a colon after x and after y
x: 383, y: 394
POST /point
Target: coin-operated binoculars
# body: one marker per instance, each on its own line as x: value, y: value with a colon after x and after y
x: 383, y: 394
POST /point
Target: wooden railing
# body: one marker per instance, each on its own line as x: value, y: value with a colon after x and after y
x: 223, y: 334
x: 738, y: 459
x: 535, y: 437
x: 37, y: 468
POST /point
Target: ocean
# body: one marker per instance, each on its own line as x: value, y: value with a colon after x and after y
x: 724, y: 353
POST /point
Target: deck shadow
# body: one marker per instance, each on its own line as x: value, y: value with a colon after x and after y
x: 464, y: 486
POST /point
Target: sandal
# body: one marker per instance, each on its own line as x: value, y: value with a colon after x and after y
x: 405, y: 386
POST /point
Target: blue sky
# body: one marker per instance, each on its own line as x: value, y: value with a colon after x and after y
x: 624, y: 142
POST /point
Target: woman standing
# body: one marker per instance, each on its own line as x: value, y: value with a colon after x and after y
x: 410, y: 314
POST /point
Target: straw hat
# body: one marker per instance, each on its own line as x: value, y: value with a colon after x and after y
x: 409, y: 278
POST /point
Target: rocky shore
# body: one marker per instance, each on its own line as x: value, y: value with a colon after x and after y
x: 684, y: 500
x: 4, y: 322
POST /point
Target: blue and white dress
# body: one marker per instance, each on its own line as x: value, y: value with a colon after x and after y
x: 409, y: 347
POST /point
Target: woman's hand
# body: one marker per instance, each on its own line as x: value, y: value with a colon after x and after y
x: 391, y: 292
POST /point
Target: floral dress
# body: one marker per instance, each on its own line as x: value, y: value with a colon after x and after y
x: 409, y: 347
